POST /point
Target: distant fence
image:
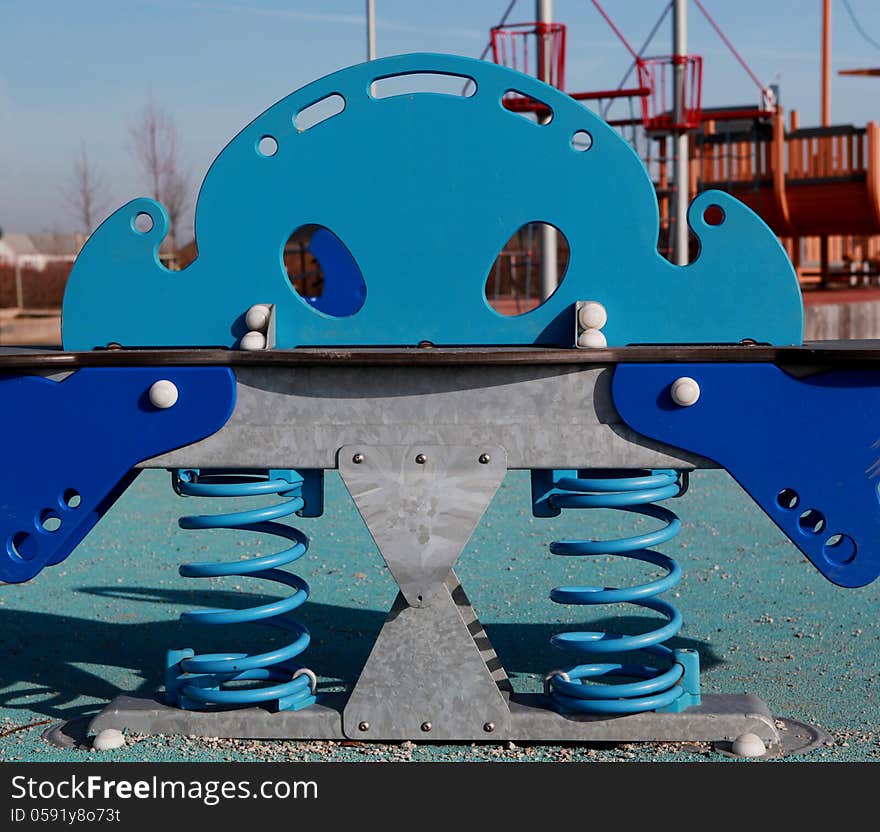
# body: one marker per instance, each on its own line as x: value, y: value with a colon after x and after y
x: 40, y: 289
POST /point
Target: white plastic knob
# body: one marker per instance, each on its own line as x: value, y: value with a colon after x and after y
x: 108, y: 739
x: 749, y: 745
x: 253, y: 341
x: 163, y: 394
x: 685, y: 391
x: 592, y: 315
x: 257, y: 317
x: 592, y: 338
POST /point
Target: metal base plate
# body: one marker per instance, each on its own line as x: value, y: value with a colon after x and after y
x: 720, y: 719
x: 152, y: 716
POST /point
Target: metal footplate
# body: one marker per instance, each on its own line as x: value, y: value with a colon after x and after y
x: 720, y: 719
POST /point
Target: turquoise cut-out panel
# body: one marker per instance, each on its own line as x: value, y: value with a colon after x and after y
x: 423, y: 190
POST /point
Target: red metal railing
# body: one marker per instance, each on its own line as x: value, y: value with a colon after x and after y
x: 658, y: 76
x: 533, y: 48
x: 539, y: 49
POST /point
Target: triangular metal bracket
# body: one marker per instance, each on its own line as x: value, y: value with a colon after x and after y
x: 432, y: 672
x: 427, y: 677
x: 421, y: 504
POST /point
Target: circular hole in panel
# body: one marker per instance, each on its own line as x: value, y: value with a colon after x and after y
x: 49, y: 520
x: 811, y: 521
x: 713, y: 215
x: 71, y: 498
x: 267, y: 146
x: 581, y: 140
x: 787, y: 498
x: 840, y: 549
x: 143, y: 222
x: 323, y: 272
x: 513, y: 286
x: 22, y: 546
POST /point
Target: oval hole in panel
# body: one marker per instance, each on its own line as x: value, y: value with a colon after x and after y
x: 513, y: 286
x: 416, y: 82
x: 840, y: 549
x: 22, y: 546
x: 529, y: 108
x: 811, y: 521
x: 323, y: 272
x: 321, y: 110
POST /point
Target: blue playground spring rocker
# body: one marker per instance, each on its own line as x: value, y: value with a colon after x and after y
x: 403, y: 378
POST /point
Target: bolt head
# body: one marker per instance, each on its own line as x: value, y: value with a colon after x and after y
x: 749, y: 745
x: 489, y: 727
x: 421, y: 459
x: 257, y: 317
x: 485, y: 459
x: 363, y: 726
x: 592, y: 338
x: 252, y: 341
x: 357, y: 459
x: 684, y: 391
x: 426, y: 726
x: 592, y: 315
x: 163, y: 394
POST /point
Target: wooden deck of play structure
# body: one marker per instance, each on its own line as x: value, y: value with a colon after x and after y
x: 817, y: 188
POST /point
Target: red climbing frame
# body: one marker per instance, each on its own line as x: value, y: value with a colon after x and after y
x: 539, y: 49
x: 535, y: 49
x: 658, y: 76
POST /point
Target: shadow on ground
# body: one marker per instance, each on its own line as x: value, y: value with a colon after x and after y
x: 51, y: 661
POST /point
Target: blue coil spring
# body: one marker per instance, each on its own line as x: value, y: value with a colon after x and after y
x: 591, y: 688
x: 199, y: 681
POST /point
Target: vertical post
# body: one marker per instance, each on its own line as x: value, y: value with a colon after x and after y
x: 664, y: 190
x: 371, y: 30
x: 19, y: 289
x: 824, y: 141
x: 549, y: 251
x: 826, y: 63
x: 680, y: 137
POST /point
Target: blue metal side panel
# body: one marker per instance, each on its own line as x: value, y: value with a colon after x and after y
x: 69, y: 446
x: 424, y: 189
x: 805, y: 449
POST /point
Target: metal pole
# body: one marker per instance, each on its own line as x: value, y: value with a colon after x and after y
x: 680, y: 195
x: 824, y: 142
x: 826, y: 63
x: 549, y: 243
x: 371, y: 30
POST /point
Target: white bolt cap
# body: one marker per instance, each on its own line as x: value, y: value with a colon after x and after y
x: 108, y: 739
x: 749, y: 745
x: 685, y: 391
x: 163, y: 394
x: 592, y: 338
x: 592, y: 315
x: 257, y: 317
x: 253, y: 341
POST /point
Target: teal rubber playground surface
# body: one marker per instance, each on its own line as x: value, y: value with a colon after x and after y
x: 763, y: 619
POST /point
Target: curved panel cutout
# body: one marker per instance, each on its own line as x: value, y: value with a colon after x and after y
x: 323, y: 272
x: 320, y: 110
x: 527, y: 106
x: 514, y: 283
x: 415, y: 82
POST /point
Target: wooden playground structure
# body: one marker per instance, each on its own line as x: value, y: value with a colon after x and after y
x: 818, y: 188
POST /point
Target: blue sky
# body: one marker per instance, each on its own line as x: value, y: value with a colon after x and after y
x: 75, y: 71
